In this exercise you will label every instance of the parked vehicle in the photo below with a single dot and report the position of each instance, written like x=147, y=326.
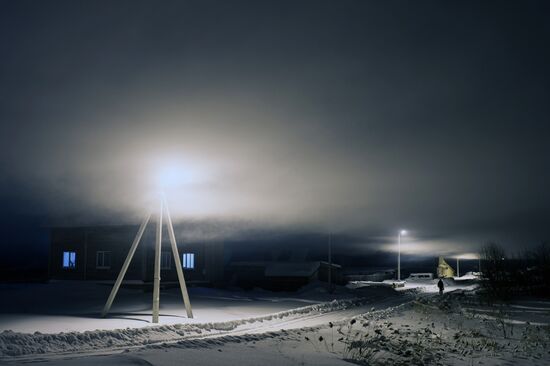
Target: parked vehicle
x=420, y=276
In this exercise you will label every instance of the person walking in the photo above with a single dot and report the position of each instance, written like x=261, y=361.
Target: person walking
x=441, y=286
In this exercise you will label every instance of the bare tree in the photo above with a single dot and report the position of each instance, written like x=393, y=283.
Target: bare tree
x=539, y=271
x=495, y=275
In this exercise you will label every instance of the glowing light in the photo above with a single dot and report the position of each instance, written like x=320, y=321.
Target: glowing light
x=173, y=175
x=403, y=232
x=470, y=256
x=170, y=176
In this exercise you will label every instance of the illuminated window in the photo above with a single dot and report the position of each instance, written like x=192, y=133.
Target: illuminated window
x=165, y=260
x=188, y=260
x=69, y=260
x=103, y=260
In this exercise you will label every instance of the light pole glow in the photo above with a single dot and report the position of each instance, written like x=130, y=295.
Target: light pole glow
x=173, y=175
x=401, y=233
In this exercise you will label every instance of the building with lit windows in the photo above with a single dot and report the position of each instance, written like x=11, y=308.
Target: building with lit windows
x=97, y=254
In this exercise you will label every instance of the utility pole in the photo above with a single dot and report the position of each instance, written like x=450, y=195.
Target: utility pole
x=125, y=266
x=401, y=232
x=177, y=261
x=156, y=276
x=399, y=257
x=457, y=266
x=330, y=263
x=85, y=254
x=156, y=279
x=479, y=260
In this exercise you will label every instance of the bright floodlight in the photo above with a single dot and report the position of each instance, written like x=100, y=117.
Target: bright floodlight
x=171, y=176
x=403, y=232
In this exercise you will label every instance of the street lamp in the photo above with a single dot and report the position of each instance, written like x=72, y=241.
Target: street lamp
x=401, y=233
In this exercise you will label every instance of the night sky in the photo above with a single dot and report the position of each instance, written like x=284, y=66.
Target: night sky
x=352, y=117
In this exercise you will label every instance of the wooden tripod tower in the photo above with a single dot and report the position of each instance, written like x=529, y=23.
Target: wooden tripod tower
x=156, y=279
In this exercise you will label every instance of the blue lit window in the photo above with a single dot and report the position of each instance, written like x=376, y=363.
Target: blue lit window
x=69, y=259
x=188, y=260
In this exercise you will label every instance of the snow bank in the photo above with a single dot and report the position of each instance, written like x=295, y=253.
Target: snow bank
x=18, y=344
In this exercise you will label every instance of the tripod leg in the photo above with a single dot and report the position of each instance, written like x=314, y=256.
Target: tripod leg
x=156, y=279
x=177, y=261
x=125, y=266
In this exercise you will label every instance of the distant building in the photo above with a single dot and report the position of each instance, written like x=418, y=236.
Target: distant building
x=420, y=276
x=444, y=270
x=279, y=275
x=97, y=254
x=369, y=274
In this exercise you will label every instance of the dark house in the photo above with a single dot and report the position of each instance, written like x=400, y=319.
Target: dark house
x=369, y=274
x=280, y=263
x=97, y=253
x=282, y=276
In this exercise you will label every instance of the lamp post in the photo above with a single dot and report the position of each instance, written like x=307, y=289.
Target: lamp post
x=330, y=263
x=401, y=233
x=479, y=263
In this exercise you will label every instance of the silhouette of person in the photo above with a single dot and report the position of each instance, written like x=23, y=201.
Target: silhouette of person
x=441, y=286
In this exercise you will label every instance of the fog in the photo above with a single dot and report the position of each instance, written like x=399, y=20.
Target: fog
x=343, y=117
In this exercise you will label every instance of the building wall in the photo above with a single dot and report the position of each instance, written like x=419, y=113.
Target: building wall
x=71, y=240
x=86, y=242
x=208, y=260
x=117, y=240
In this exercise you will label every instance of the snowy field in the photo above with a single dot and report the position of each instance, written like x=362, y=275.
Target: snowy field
x=75, y=306
x=373, y=325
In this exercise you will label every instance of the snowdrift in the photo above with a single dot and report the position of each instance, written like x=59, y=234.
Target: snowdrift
x=18, y=344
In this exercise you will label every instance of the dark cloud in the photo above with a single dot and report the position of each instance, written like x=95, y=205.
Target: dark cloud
x=353, y=117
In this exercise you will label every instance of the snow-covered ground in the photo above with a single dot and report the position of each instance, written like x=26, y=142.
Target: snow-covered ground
x=30, y=327
x=371, y=324
x=75, y=306
x=425, y=286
